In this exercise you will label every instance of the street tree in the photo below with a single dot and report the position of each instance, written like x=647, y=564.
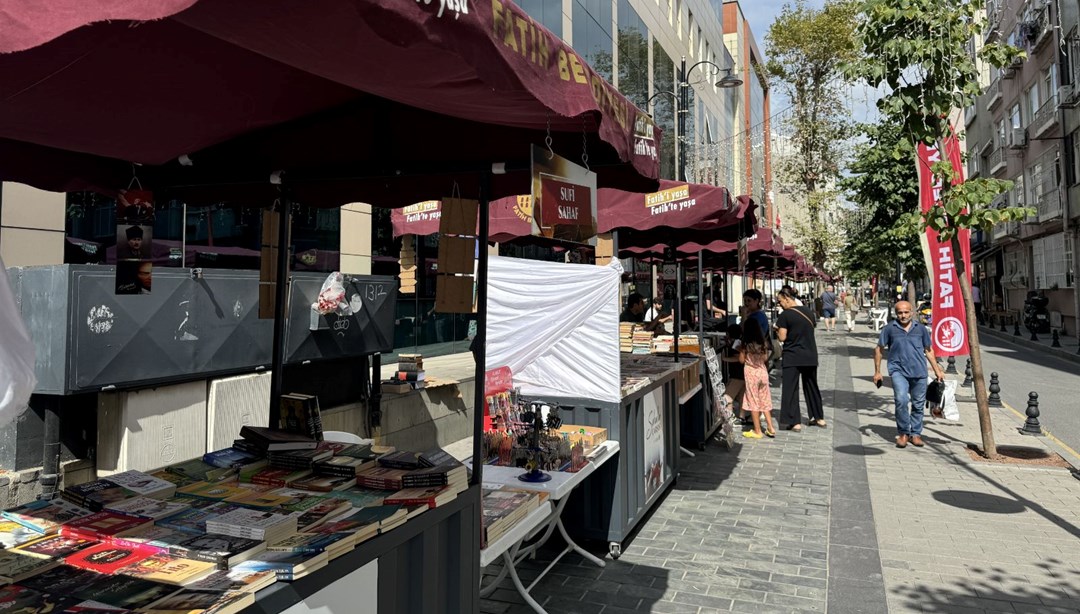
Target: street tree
x=916, y=50
x=807, y=48
x=882, y=183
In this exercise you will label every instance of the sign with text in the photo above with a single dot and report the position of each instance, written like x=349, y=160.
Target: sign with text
x=949, y=331
x=564, y=198
x=498, y=380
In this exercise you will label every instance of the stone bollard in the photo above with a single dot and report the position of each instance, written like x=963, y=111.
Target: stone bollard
x=1056, y=343
x=967, y=375
x=995, y=391
x=951, y=366
x=1016, y=327
x=1031, y=425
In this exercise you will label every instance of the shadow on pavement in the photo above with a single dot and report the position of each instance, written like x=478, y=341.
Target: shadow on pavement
x=978, y=501
x=993, y=588
x=859, y=450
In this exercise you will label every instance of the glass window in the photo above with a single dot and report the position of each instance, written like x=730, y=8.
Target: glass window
x=592, y=34
x=1033, y=101
x=1014, y=116
x=633, y=55
x=548, y=13
x=1001, y=133
x=1052, y=261
x=664, y=107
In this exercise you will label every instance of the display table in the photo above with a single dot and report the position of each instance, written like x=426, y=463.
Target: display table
x=508, y=548
x=428, y=565
x=646, y=426
x=558, y=488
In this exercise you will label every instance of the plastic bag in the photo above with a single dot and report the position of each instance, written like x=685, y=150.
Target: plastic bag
x=17, y=379
x=332, y=297
x=944, y=406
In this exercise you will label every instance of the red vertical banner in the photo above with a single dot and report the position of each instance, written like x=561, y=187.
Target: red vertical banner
x=949, y=332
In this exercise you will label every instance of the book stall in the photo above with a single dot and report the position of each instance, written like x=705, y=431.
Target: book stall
x=313, y=103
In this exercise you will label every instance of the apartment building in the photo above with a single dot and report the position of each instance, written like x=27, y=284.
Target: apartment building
x=1023, y=129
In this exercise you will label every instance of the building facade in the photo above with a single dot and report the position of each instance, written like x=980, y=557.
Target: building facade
x=1023, y=128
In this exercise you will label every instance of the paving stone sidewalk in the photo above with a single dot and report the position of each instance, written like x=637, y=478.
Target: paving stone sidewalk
x=838, y=520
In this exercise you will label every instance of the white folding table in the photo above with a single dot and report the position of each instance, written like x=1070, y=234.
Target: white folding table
x=558, y=489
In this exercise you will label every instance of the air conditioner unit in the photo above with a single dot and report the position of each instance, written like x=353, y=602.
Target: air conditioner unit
x=1017, y=138
x=1066, y=96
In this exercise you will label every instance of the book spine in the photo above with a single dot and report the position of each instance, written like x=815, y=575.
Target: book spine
x=428, y=501
x=410, y=367
x=393, y=464
x=337, y=471
x=79, y=533
x=279, y=483
x=219, y=560
x=249, y=447
x=235, y=531
x=423, y=482
x=380, y=484
x=409, y=376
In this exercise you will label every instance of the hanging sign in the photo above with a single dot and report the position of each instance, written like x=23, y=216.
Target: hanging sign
x=564, y=198
x=134, y=241
x=744, y=254
x=949, y=332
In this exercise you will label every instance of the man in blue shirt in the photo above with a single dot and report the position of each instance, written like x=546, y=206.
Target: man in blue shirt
x=909, y=346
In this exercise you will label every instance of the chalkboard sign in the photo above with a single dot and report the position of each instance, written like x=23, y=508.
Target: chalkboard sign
x=721, y=410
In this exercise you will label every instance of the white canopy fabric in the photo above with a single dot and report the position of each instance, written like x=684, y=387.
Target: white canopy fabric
x=556, y=326
x=17, y=379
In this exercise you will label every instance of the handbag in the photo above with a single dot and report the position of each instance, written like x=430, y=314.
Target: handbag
x=935, y=390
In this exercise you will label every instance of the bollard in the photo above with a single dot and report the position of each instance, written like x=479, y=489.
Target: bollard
x=1016, y=327
x=1056, y=343
x=1002, y=322
x=967, y=375
x=1035, y=332
x=1031, y=425
x=995, y=390
x=951, y=367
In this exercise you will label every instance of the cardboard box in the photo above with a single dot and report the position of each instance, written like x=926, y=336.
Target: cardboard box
x=589, y=436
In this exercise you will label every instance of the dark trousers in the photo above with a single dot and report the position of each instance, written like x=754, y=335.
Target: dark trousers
x=789, y=395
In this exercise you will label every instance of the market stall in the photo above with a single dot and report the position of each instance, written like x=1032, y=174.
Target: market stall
x=269, y=103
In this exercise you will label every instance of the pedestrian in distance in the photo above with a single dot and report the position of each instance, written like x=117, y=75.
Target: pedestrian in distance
x=757, y=396
x=795, y=329
x=976, y=299
x=910, y=349
x=828, y=308
x=851, y=309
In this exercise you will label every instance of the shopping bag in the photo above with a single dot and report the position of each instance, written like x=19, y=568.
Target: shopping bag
x=17, y=379
x=948, y=401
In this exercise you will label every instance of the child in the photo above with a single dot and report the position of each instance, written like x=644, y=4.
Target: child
x=733, y=387
x=757, y=396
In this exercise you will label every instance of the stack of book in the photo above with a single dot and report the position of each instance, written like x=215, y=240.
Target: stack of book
x=410, y=371
x=262, y=440
x=94, y=495
x=253, y=524
x=641, y=342
x=626, y=336
x=502, y=509
x=300, y=414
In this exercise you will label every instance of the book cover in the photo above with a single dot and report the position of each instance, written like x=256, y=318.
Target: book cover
x=357, y=450
x=361, y=518
x=254, y=524
x=300, y=414
x=106, y=558
x=432, y=496
x=22, y=600
x=12, y=534
x=217, y=491
x=312, y=542
x=277, y=439
x=279, y=477
x=221, y=550
x=382, y=478
x=438, y=457
x=302, y=459
x=300, y=500
x=327, y=510
x=123, y=591
x=144, y=484
x=145, y=507
x=155, y=539
x=409, y=376
x=230, y=457
x=287, y=565
x=343, y=466
x=54, y=547
x=194, y=520
x=93, y=495
x=196, y=602
x=224, y=581
x=14, y=567
x=362, y=497
x=434, y=476
x=45, y=516
x=103, y=525
x=259, y=499
x=168, y=569
x=195, y=469
x=175, y=478
x=324, y=483
x=63, y=580
x=94, y=607
x=402, y=459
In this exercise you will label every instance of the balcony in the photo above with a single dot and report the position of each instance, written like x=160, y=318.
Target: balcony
x=995, y=93
x=1036, y=30
x=1048, y=205
x=992, y=25
x=997, y=161
x=1045, y=118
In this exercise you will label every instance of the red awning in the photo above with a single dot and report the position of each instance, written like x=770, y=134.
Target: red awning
x=678, y=213
x=383, y=101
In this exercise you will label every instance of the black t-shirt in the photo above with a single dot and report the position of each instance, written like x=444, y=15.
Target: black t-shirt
x=629, y=316
x=800, y=348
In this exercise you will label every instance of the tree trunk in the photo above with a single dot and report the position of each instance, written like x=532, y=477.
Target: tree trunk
x=977, y=379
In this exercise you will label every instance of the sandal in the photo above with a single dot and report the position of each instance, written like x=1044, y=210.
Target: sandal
x=770, y=434
x=794, y=427
x=820, y=423
x=751, y=435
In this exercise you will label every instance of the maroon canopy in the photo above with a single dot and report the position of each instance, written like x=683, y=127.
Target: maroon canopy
x=384, y=101
x=509, y=218
x=678, y=213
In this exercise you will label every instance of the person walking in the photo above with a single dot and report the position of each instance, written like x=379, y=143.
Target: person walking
x=757, y=395
x=851, y=309
x=795, y=329
x=909, y=347
x=976, y=299
x=828, y=308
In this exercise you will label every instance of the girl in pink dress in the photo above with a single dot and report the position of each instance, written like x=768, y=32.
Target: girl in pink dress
x=757, y=396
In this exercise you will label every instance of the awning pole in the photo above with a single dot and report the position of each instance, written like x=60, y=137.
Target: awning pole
x=281, y=298
x=480, y=341
x=701, y=300
x=678, y=305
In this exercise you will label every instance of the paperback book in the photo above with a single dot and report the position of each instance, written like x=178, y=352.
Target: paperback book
x=217, y=491
x=144, y=484
x=101, y=526
x=94, y=495
x=381, y=478
x=168, y=569
x=233, y=458
x=12, y=534
x=402, y=459
x=432, y=496
x=196, y=470
x=107, y=558
x=15, y=567
x=332, y=543
x=259, y=499
x=367, y=517
x=224, y=581
x=289, y=566
x=154, y=509
x=277, y=440
x=118, y=591
x=325, y=483
x=301, y=500
x=347, y=466
x=253, y=524
x=199, y=602
x=22, y=600
x=362, y=497
x=279, y=477
x=54, y=547
x=300, y=414
x=298, y=459
x=155, y=539
x=323, y=512
x=45, y=517
x=194, y=520
x=223, y=551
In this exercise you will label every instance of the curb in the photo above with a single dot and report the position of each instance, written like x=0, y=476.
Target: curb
x=1046, y=440
x=1062, y=353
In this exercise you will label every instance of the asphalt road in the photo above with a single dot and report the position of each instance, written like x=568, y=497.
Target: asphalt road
x=1022, y=370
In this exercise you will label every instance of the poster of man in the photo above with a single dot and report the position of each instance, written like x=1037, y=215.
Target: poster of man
x=135, y=207
x=134, y=276
x=133, y=242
